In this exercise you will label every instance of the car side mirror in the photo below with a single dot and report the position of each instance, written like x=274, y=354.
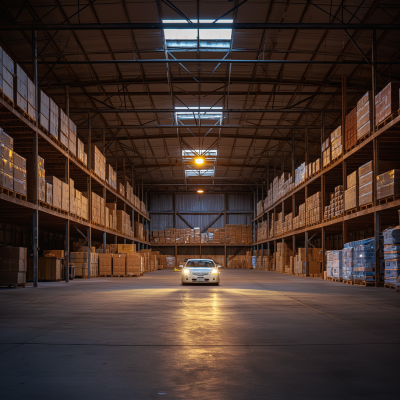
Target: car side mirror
x=219, y=266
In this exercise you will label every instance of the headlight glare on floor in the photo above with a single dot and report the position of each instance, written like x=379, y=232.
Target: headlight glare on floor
x=214, y=272
x=186, y=271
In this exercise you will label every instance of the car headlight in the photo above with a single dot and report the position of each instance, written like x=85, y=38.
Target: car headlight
x=186, y=271
x=214, y=272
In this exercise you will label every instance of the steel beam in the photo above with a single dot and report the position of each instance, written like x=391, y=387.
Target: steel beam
x=207, y=126
x=208, y=61
x=178, y=25
x=200, y=110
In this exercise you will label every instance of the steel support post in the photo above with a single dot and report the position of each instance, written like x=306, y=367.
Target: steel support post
x=89, y=191
x=306, y=148
x=104, y=242
x=293, y=153
x=67, y=238
x=306, y=246
x=294, y=253
x=274, y=255
x=344, y=104
x=35, y=226
x=323, y=251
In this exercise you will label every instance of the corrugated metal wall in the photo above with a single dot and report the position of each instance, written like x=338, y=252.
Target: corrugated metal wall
x=192, y=202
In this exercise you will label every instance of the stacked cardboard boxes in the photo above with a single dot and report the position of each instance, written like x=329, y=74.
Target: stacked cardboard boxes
x=65, y=196
x=7, y=74
x=366, y=178
x=105, y=264
x=31, y=100
x=334, y=264
x=98, y=162
x=300, y=174
x=111, y=176
x=336, y=204
x=364, y=115
x=41, y=179
x=388, y=184
x=336, y=143
x=80, y=151
x=21, y=89
x=63, y=128
x=57, y=191
x=351, y=194
x=326, y=153
x=44, y=110
x=6, y=161
x=387, y=101
x=138, y=230
x=13, y=265
x=112, y=215
x=54, y=117
x=80, y=260
x=313, y=209
x=118, y=264
x=19, y=170
x=121, y=189
x=262, y=231
x=72, y=143
x=314, y=261
x=282, y=257
x=49, y=193
x=124, y=224
x=134, y=264
x=350, y=137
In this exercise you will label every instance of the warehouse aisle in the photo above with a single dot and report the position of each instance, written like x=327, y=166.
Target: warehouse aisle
x=259, y=335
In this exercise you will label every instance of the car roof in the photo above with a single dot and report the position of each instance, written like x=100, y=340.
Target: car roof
x=200, y=259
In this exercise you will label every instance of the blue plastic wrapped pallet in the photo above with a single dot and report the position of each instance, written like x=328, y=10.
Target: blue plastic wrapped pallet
x=364, y=260
x=334, y=264
x=392, y=256
x=347, y=263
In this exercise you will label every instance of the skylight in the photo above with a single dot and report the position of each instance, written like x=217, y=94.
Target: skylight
x=194, y=153
x=187, y=114
x=199, y=172
x=187, y=38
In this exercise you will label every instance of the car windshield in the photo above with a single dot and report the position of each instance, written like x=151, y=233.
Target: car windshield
x=200, y=264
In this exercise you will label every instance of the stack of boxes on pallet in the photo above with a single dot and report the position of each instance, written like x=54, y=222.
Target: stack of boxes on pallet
x=334, y=264
x=283, y=257
x=13, y=265
x=97, y=215
x=80, y=152
x=351, y=194
x=231, y=234
x=366, y=179
x=56, y=185
x=336, y=143
x=351, y=129
x=64, y=128
x=111, y=176
x=364, y=115
x=124, y=223
x=388, y=184
x=21, y=89
x=347, y=264
x=54, y=117
x=262, y=231
x=112, y=215
x=41, y=180
x=80, y=261
x=19, y=168
x=7, y=75
x=6, y=161
x=98, y=162
x=387, y=101
x=314, y=261
x=336, y=204
x=326, y=153
x=313, y=209
x=72, y=139
x=391, y=238
x=44, y=111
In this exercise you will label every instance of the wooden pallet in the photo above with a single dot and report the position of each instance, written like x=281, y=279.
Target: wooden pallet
x=365, y=206
x=348, y=282
x=364, y=283
x=7, y=99
x=334, y=279
x=105, y=276
x=388, y=119
x=11, y=193
x=13, y=285
x=118, y=276
x=388, y=199
x=366, y=136
x=389, y=286
x=132, y=275
x=352, y=211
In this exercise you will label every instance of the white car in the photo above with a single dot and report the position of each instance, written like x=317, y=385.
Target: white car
x=200, y=271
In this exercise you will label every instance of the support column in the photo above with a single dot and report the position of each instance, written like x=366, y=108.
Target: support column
x=344, y=104
x=374, y=79
x=89, y=191
x=67, y=238
x=35, y=227
x=306, y=148
x=294, y=253
x=104, y=242
x=306, y=246
x=323, y=251
x=293, y=157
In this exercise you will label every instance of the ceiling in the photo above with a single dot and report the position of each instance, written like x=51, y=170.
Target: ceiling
x=268, y=103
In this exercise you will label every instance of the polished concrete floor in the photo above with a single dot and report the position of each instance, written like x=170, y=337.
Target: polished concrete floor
x=260, y=335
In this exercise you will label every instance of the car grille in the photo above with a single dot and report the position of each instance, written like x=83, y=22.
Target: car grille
x=200, y=273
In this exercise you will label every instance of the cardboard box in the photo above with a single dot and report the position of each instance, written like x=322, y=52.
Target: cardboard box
x=53, y=253
x=15, y=253
x=126, y=248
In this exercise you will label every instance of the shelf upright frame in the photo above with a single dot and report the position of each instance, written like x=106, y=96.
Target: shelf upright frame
x=89, y=191
x=67, y=231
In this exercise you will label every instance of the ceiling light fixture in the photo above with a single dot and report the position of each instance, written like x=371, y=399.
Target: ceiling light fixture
x=199, y=160
x=200, y=191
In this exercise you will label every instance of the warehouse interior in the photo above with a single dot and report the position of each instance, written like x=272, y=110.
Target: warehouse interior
x=262, y=135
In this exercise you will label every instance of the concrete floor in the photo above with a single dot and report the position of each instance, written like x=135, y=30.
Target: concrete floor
x=260, y=335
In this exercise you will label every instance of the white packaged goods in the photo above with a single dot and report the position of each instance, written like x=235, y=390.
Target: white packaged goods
x=31, y=100
x=72, y=138
x=363, y=115
x=334, y=264
x=44, y=109
x=53, y=118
